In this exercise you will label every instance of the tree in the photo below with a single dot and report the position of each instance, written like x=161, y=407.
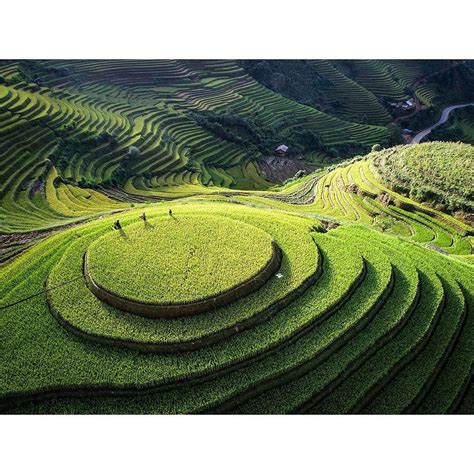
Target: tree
x=133, y=152
x=376, y=147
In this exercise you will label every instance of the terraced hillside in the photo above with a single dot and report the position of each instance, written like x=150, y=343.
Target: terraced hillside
x=372, y=316
x=439, y=172
x=148, y=267
x=82, y=137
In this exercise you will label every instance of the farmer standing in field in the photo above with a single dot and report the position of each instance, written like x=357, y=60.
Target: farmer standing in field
x=117, y=225
x=170, y=213
x=143, y=217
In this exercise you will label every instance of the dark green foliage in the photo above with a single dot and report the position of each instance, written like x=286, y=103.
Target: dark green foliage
x=421, y=194
x=456, y=84
x=35, y=71
x=458, y=128
x=396, y=136
x=68, y=146
x=255, y=137
x=424, y=118
x=236, y=129
x=295, y=79
x=133, y=152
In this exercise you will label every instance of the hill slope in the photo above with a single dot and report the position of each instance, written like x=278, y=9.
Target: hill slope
x=217, y=291
x=441, y=173
x=373, y=316
x=79, y=137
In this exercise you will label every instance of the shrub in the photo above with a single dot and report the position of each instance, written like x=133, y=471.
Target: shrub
x=133, y=152
x=376, y=147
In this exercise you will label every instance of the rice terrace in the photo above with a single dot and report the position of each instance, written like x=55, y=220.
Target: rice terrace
x=240, y=237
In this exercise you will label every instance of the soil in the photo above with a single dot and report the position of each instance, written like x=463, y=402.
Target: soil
x=278, y=169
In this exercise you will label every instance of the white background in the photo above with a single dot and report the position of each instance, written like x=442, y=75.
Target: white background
x=243, y=29
x=240, y=29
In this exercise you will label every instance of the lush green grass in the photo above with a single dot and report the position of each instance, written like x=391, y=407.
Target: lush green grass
x=178, y=259
x=370, y=310
x=341, y=267
x=79, y=308
x=330, y=352
x=352, y=330
x=436, y=172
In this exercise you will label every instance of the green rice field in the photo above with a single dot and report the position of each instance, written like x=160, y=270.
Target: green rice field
x=346, y=288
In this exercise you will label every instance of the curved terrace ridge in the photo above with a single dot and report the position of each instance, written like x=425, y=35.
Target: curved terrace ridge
x=176, y=310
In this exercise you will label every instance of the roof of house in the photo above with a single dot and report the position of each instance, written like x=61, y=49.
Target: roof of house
x=282, y=148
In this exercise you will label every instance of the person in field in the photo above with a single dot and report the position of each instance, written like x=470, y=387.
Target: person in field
x=143, y=217
x=170, y=212
x=117, y=225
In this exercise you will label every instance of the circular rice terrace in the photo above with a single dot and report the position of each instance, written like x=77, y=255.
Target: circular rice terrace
x=198, y=277
x=173, y=267
x=353, y=321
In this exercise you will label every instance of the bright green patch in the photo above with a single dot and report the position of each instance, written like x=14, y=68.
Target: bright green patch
x=81, y=309
x=178, y=259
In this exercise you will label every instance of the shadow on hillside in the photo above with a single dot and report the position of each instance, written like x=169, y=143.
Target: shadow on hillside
x=148, y=226
x=122, y=234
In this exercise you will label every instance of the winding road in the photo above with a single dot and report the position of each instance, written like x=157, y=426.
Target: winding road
x=444, y=117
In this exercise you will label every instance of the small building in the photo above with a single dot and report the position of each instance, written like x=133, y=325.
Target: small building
x=405, y=105
x=408, y=131
x=281, y=150
x=408, y=104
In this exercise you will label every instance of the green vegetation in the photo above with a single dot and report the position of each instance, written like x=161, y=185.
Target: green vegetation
x=359, y=276
x=194, y=124
x=76, y=305
x=257, y=138
x=176, y=259
x=438, y=173
x=458, y=128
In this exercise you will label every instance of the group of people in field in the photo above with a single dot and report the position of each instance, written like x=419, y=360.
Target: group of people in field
x=118, y=226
